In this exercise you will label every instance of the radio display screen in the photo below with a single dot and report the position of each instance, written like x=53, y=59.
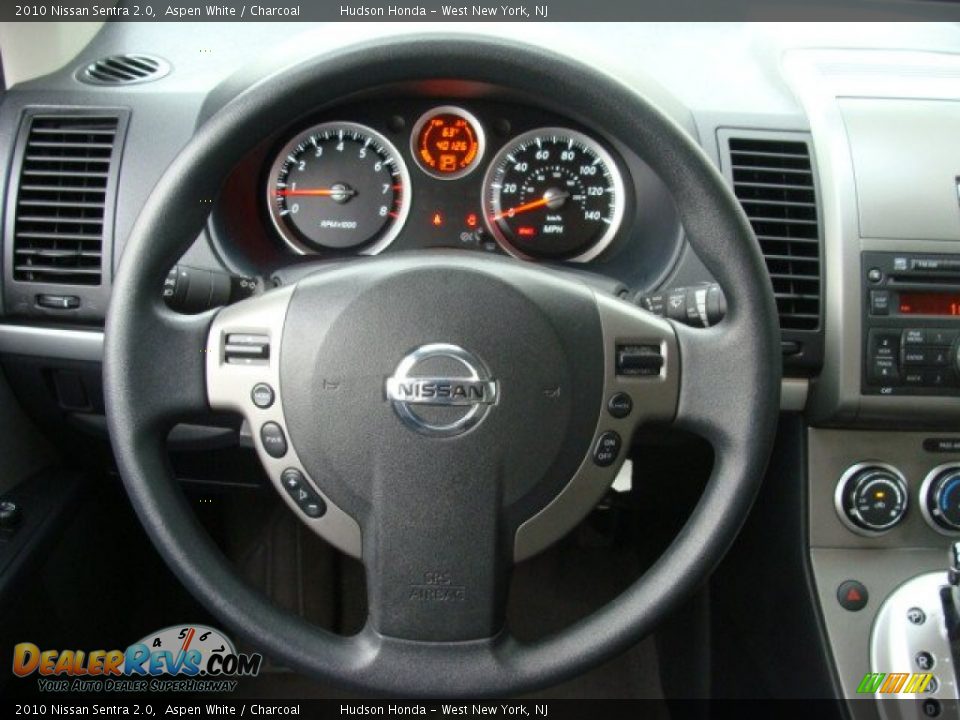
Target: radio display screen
x=929, y=303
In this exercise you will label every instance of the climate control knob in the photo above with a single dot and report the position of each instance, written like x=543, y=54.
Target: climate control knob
x=940, y=499
x=871, y=498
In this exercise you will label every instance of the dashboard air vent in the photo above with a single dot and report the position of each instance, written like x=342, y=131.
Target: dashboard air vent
x=774, y=181
x=59, y=223
x=123, y=70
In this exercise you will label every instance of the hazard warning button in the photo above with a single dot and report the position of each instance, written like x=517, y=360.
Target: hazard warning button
x=852, y=595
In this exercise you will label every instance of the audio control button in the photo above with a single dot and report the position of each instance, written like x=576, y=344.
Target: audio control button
x=941, y=336
x=262, y=395
x=273, y=439
x=940, y=357
x=915, y=336
x=913, y=377
x=885, y=371
x=879, y=302
x=916, y=356
x=883, y=356
x=303, y=495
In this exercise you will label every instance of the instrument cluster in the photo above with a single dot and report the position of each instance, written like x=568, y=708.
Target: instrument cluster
x=403, y=173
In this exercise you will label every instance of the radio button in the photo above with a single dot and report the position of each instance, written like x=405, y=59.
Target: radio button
x=879, y=302
x=884, y=343
x=916, y=356
x=915, y=336
x=933, y=356
x=941, y=336
x=885, y=371
x=939, y=357
x=935, y=378
x=913, y=377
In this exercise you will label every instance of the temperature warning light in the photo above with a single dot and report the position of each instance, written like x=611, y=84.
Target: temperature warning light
x=447, y=142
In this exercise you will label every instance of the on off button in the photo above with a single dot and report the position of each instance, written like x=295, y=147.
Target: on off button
x=607, y=448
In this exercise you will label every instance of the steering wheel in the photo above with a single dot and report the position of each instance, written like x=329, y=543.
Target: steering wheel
x=441, y=415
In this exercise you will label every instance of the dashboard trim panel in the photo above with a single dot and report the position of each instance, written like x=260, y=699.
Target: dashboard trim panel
x=55, y=343
x=87, y=346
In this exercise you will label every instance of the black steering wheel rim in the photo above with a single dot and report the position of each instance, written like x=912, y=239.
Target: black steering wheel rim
x=734, y=405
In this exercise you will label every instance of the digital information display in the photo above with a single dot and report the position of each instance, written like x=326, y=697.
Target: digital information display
x=447, y=142
x=929, y=303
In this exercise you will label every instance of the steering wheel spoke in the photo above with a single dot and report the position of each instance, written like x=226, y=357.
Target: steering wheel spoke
x=720, y=377
x=167, y=367
x=435, y=550
x=243, y=376
x=641, y=377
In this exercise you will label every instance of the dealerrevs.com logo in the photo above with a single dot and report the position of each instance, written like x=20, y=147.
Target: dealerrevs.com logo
x=180, y=658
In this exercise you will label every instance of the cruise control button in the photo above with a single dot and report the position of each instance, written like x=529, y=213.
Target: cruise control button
x=262, y=395
x=273, y=439
x=314, y=508
x=620, y=405
x=607, y=449
x=292, y=480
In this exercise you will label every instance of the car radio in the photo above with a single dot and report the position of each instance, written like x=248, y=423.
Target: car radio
x=911, y=321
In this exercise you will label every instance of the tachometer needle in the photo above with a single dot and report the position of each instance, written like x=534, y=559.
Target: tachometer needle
x=316, y=192
x=551, y=197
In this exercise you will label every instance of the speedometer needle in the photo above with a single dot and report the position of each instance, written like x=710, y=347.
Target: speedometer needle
x=551, y=197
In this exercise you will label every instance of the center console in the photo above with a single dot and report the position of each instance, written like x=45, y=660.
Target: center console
x=911, y=321
x=883, y=449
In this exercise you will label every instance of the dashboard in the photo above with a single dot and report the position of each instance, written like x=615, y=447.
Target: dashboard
x=425, y=170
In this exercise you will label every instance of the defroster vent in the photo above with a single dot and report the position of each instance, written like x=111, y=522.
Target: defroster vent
x=123, y=70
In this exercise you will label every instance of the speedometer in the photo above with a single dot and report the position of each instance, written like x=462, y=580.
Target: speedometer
x=553, y=193
x=338, y=186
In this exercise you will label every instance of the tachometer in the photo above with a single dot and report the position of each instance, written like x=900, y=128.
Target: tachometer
x=338, y=186
x=553, y=193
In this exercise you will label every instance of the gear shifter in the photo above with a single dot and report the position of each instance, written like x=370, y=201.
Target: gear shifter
x=950, y=599
x=916, y=641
